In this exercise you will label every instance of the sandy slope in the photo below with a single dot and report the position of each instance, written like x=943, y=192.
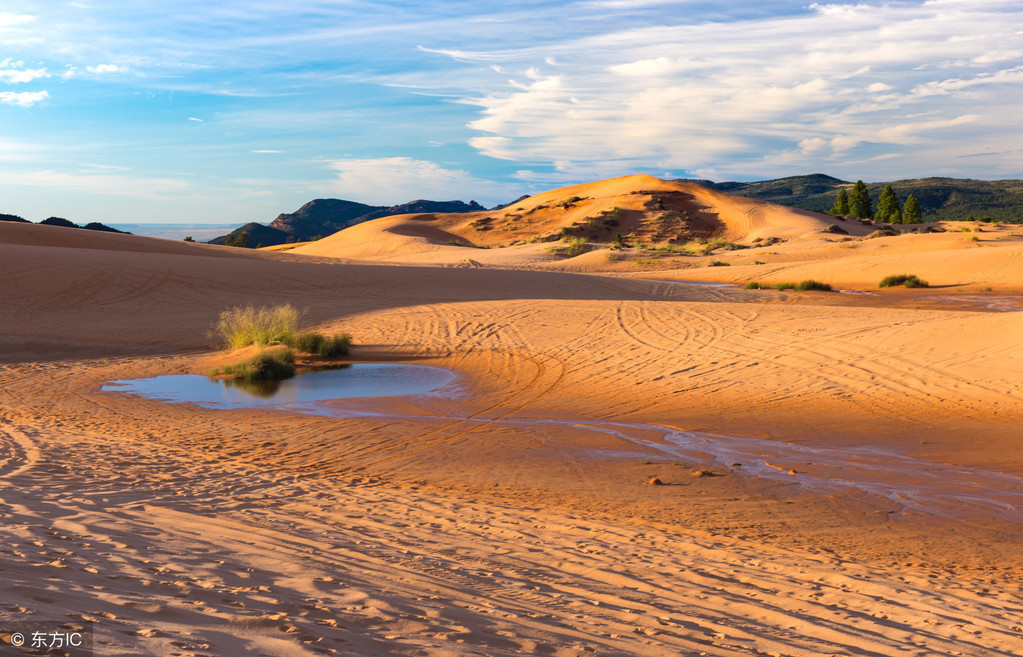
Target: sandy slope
x=653, y=210
x=513, y=519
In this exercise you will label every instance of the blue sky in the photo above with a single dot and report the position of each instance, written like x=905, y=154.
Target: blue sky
x=235, y=111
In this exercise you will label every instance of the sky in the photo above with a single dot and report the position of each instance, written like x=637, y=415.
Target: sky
x=235, y=111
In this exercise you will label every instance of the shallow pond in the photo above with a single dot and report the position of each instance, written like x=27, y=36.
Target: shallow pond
x=343, y=382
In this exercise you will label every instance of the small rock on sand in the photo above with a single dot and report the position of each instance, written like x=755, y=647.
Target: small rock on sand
x=655, y=482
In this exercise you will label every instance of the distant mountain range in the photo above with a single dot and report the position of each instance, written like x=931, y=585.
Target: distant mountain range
x=64, y=223
x=326, y=216
x=941, y=199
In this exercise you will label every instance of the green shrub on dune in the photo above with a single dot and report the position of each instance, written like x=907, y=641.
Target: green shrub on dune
x=321, y=345
x=811, y=284
x=908, y=280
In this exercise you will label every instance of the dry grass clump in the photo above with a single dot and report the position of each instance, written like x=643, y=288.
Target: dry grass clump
x=908, y=280
x=263, y=325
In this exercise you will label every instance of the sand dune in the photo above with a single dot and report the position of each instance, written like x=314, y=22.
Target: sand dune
x=842, y=471
x=651, y=210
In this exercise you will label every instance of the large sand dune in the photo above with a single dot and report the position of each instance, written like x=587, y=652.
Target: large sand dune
x=863, y=494
x=648, y=209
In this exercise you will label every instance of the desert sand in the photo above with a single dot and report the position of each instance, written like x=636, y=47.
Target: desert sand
x=843, y=471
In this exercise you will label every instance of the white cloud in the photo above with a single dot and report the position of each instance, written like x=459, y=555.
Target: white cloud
x=11, y=20
x=16, y=75
x=23, y=98
x=103, y=69
x=808, y=91
x=192, y=118
x=399, y=179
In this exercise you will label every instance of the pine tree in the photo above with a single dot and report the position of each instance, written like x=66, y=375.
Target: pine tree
x=895, y=217
x=911, y=211
x=841, y=207
x=887, y=205
x=860, y=205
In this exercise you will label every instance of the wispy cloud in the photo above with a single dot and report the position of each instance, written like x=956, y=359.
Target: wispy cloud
x=13, y=72
x=385, y=180
x=104, y=69
x=826, y=83
x=23, y=98
x=101, y=184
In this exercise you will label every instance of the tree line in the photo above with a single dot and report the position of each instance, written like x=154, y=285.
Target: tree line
x=859, y=205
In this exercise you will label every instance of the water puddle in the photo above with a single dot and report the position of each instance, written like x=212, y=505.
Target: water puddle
x=912, y=484
x=307, y=388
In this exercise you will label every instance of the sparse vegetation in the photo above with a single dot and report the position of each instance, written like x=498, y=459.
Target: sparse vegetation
x=576, y=246
x=785, y=286
x=268, y=364
x=718, y=263
x=322, y=345
x=907, y=280
x=188, y=238
x=251, y=325
x=753, y=285
x=811, y=284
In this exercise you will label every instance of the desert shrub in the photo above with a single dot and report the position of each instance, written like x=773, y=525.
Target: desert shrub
x=785, y=286
x=326, y=346
x=719, y=263
x=263, y=325
x=307, y=343
x=908, y=280
x=335, y=345
x=884, y=232
x=576, y=246
x=269, y=364
x=753, y=285
x=811, y=284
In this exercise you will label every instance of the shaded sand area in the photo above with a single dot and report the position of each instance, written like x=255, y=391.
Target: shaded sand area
x=842, y=472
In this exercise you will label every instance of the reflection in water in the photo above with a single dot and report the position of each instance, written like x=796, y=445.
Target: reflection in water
x=269, y=388
x=265, y=389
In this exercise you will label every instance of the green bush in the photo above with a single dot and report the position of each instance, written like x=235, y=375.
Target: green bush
x=335, y=345
x=321, y=345
x=785, y=286
x=753, y=285
x=811, y=284
x=264, y=325
x=307, y=343
x=269, y=364
x=718, y=263
x=575, y=247
x=908, y=280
